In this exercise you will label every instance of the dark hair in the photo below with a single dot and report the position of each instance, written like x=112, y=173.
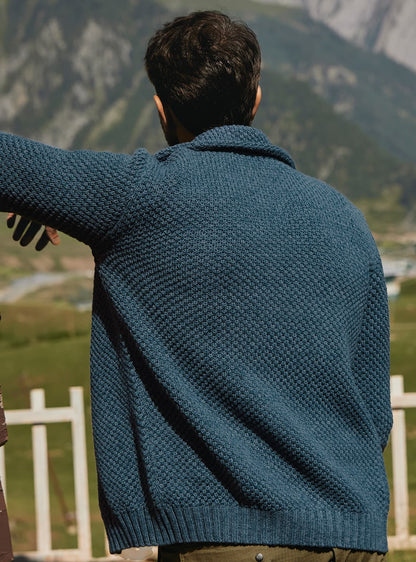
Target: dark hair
x=206, y=69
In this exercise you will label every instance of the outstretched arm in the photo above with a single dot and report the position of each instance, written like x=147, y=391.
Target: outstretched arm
x=82, y=193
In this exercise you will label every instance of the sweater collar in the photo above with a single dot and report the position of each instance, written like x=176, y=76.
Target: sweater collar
x=240, y=138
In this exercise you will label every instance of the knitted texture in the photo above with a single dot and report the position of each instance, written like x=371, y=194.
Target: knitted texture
x=240, y=341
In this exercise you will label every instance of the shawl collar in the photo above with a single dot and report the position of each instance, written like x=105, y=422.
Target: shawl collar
x=239, y=138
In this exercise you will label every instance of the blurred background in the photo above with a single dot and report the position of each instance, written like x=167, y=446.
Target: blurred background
x=339, y=84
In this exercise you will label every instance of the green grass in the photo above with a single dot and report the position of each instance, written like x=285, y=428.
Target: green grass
x=46, y=344
x=18, y=262
x=401, y=556
x=403, y=361
x=45, y=347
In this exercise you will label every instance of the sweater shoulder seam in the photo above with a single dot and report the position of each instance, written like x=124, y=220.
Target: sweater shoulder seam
x=135, y=168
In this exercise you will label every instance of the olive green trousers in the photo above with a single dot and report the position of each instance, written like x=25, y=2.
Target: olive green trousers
x=259, y=553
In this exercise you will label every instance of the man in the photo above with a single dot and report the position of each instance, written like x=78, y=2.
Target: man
x=240, y=339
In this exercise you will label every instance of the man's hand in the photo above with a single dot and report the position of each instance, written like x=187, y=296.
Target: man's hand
x=26, y=230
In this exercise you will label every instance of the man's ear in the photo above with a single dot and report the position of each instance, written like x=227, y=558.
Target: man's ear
x=161, y=111
x=257, y=102
x=173, y=129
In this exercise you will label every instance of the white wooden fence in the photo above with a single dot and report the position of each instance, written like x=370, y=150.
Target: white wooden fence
x=38, y=416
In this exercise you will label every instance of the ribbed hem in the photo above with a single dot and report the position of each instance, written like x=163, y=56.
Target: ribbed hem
x=238, y=525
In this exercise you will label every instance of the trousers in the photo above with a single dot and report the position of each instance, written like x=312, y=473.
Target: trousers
x=259, y=553
x=5, y=540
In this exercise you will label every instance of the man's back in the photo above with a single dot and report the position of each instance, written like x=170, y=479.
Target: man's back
x=240, y=342
x=245, y=308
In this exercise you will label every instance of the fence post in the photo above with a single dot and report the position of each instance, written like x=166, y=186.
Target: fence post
x=398, y=443
x=41, y=475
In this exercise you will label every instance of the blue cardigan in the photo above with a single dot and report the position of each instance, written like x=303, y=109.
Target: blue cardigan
x=240, y=340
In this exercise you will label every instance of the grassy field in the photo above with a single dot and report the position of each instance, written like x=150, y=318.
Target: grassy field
x=45, y=343
x=403, y=361
x=45, y=347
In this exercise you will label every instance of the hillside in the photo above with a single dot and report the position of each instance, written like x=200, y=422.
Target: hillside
x=382, y=26
x=71, y=74
x=329, y=146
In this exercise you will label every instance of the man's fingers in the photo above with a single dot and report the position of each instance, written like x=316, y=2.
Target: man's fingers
x=53, y=235
x=20, y=228
x=26, y=230
x=30, y=233
x=42, y=242
x=11, y=219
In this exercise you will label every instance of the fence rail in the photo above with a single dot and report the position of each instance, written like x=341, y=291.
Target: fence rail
x=38, y=416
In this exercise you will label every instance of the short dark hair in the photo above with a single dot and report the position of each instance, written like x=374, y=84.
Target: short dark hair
x=206, y=69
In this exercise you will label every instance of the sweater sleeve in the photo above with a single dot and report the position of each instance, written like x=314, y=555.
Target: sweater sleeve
x=82, y=193
x=372, y=356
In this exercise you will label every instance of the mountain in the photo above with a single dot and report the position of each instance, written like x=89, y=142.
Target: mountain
x=71, y=74
x=70, y=70
x=382, y=26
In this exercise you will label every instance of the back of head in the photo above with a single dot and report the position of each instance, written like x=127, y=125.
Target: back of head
x=206, y=69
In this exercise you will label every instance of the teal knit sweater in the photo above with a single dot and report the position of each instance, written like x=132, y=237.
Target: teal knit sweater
x=240, y=340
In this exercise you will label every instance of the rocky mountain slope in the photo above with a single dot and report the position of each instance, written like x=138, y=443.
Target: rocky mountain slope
x=383, y=26
x=71, y=74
